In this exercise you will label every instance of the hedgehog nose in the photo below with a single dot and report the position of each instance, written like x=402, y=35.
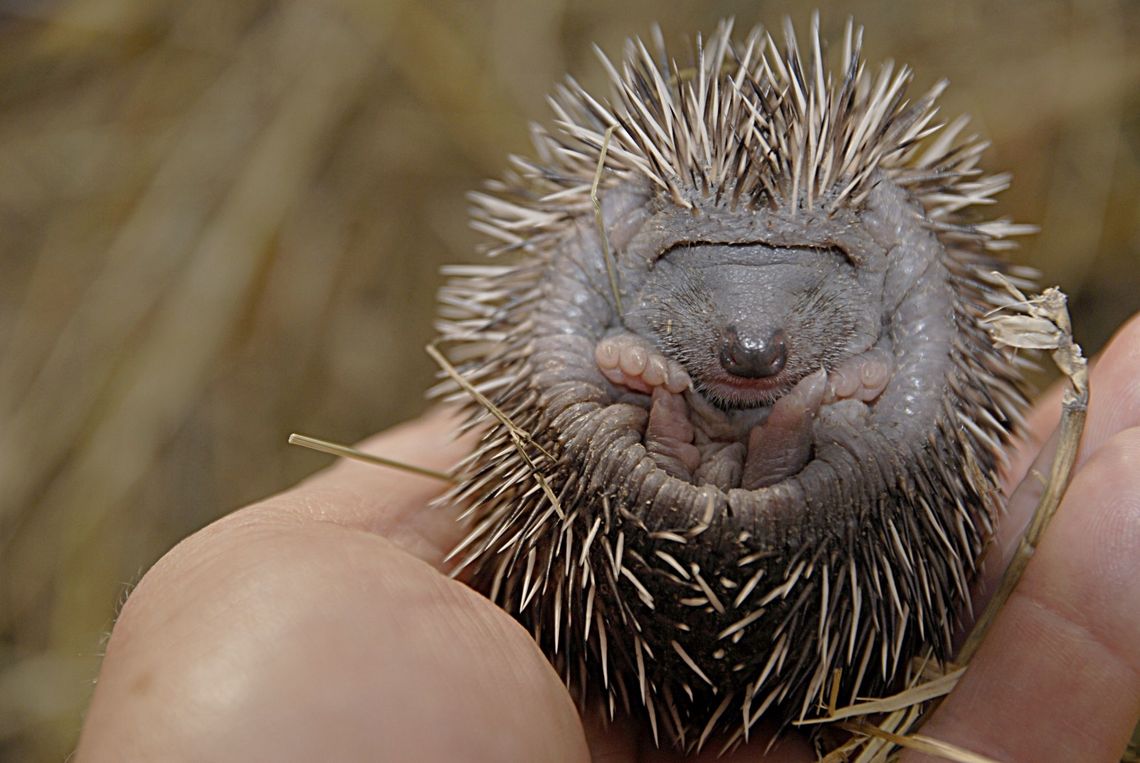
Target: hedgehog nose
x=753, y=355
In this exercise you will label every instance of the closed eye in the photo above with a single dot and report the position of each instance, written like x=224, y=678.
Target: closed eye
x=752, y=253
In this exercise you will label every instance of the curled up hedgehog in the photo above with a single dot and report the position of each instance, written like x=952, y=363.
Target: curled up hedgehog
x=742, y=424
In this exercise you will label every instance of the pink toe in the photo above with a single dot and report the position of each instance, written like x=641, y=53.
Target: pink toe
x=874, y=374
x=844, y=382
x=633, y=360
x=656, y=371
x=606, y=354
x=678, y=380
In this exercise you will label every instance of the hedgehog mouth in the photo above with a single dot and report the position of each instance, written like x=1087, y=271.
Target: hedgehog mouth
x=728, y=392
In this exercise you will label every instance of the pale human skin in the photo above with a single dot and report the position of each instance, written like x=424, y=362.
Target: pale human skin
x=316, y=625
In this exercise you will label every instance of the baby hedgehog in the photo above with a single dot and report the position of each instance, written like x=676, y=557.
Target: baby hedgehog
x=742, y=423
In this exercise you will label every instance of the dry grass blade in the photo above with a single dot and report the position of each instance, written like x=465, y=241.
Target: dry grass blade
x=920, y=743
x=344, y=451
x=916, y=695
x=516, y=431
x=607, y=253
x=1039, y=323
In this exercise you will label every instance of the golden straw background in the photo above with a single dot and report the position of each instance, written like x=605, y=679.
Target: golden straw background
x=221, y=221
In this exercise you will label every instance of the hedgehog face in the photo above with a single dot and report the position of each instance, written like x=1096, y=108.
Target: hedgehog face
x=735, y=344
x=747, y=322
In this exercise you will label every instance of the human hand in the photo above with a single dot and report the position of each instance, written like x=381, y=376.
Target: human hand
x=317, y=625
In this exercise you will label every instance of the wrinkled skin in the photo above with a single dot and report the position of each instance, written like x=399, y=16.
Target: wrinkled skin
x=317, y=624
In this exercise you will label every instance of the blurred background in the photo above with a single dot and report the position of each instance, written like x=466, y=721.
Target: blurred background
x=222, y=221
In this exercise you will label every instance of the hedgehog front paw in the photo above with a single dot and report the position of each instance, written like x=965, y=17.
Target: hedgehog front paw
x=863, y=377
x=781, y=446
x=629, y=361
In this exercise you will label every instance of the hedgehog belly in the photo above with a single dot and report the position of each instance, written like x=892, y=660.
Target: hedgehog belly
x=746, y=422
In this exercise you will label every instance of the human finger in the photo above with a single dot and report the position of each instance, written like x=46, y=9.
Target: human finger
x=1058, y=676
x=267, y=638
x=1114, y=406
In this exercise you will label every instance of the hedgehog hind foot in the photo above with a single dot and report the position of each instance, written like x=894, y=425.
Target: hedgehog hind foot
x=669, y=435
x=782, y=445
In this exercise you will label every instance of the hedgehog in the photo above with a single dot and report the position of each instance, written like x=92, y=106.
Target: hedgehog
x=741, y=421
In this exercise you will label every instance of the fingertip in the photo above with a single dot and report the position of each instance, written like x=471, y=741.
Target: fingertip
x=291, y=642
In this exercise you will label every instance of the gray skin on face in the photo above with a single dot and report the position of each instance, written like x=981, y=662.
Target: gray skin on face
x=768, y=321
x=749, y=321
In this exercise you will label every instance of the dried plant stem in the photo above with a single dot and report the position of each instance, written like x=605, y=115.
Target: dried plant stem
x=911, y=696
x=344, y=451
x=920, y=743
x=1038, y=323
x=1043, y=324
x=1072, y=424
x=607, y=253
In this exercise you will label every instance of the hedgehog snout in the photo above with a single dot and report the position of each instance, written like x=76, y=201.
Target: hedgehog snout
x=753, y=353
